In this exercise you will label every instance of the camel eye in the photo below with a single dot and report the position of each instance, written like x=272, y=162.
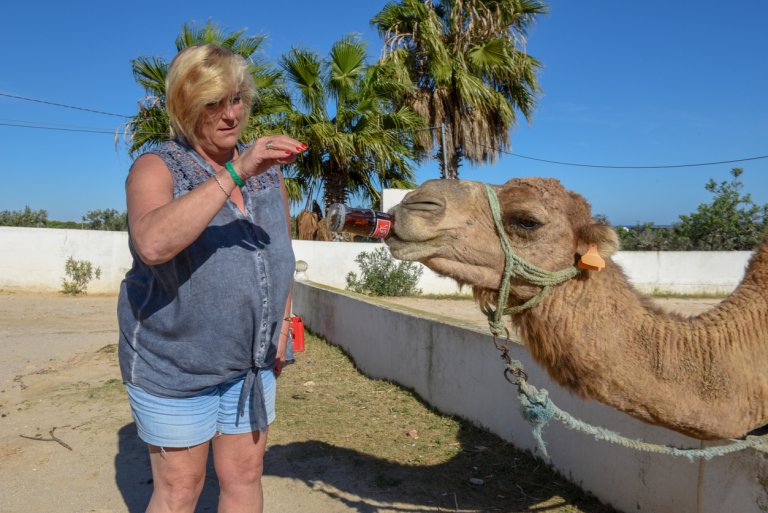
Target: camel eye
x=526, y=223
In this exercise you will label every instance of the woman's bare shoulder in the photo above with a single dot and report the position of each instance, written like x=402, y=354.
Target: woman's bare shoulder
x=148, y=163
x=149, y=167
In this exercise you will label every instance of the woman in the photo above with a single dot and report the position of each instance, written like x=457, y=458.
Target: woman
x=204, y=310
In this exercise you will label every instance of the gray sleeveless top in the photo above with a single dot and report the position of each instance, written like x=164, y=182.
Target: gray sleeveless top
x=214, y=312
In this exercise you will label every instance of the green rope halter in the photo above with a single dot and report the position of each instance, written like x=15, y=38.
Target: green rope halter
x=536, y=406
x=519, y=268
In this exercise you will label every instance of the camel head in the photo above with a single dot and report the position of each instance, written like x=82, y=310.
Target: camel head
x=595, y=334
x=448, y=226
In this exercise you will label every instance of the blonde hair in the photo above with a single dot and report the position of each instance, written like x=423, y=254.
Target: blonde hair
x=198, y=76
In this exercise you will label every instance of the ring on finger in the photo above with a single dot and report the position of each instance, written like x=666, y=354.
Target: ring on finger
x=270, y=145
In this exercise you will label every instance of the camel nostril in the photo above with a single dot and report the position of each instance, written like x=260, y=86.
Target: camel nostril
x=426, y=206
x=422, y=202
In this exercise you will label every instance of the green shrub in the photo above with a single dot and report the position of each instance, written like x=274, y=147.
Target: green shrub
x=26, y=218
x=381, y=276
x=80, y=273
x=730, y=222
x=108, y=219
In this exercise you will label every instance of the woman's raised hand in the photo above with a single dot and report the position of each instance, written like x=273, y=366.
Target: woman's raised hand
x=266, y=152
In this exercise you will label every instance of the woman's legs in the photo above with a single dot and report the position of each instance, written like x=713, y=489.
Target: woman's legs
x=239, y=463
x=178, y=431
x=238, y=449
x=178, y=475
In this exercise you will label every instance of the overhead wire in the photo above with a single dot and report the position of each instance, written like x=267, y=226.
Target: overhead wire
x=64, y=105
x=610, y=166
x=614, y=166
x=61, y=128
x=24, y=124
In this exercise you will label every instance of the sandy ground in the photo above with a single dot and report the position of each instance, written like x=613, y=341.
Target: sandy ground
x=59, y=383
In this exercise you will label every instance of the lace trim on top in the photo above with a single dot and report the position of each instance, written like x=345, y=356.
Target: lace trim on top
x=188, y=173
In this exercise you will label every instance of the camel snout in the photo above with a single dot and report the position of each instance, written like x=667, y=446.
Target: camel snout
x=418, y=201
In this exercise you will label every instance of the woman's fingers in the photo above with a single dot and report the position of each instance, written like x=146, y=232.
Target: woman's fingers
x=282, y=149
x=282, y=144
x=268, y=151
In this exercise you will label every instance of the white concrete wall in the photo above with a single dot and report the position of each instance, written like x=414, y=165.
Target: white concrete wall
x=33, y=259
x=456, y=368
x=391, y=197
x=330, y=262
x=714, y=272
x=458, y=371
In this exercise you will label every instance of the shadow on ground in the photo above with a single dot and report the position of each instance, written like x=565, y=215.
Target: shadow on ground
x=511, y=479
x=133, y=474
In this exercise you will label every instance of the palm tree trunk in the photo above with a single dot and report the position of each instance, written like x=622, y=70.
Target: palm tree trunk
x=454, y=164
x=449, y=167
x=335, y=182
x=450, y=161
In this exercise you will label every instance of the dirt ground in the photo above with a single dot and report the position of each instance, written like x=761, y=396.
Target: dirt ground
x=67, y=440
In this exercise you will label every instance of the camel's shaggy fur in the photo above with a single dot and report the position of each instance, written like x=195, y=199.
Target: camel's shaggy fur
x=595, y=334
x=309, y=227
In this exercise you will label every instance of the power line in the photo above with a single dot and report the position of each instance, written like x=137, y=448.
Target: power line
x=612, y=166
x=62, y=129
x=518, y=155
x=663, y=166
x=64, y=105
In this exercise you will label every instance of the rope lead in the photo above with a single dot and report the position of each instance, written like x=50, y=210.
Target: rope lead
x=536, y=406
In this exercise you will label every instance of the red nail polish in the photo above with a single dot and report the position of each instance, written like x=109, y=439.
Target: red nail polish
x=287, y=152
x=299, y=148
x=303, y=146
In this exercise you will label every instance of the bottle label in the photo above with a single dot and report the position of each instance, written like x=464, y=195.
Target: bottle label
x=382, y=228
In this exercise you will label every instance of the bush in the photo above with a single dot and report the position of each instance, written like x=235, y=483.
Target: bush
x=24, y=218
x=381, y=276
x=649, y=237
x=80, y=273
x=731, y=222
x=109, y=219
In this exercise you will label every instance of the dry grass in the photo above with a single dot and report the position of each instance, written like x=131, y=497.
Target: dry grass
x=399, y=449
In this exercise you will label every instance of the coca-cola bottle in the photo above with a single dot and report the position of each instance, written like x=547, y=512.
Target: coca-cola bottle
x=359, y=221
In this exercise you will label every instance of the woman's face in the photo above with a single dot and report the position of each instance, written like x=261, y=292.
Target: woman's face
x=220, y=127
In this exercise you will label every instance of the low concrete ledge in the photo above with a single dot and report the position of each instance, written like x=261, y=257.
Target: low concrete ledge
x=33, y=259
x=457, y=369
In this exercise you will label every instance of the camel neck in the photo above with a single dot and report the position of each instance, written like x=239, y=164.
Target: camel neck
x=603, y=340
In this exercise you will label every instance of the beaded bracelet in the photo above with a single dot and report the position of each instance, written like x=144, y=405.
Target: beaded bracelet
x=238, y=181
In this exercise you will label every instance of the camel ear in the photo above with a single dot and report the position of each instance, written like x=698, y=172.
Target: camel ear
x=600, y=235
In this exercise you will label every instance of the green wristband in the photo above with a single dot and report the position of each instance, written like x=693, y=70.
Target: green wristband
x=238, y=181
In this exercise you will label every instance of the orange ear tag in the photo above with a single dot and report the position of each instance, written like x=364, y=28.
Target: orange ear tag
x=591, y=260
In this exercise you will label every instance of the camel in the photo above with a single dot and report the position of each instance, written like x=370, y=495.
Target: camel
x=597, y=336
x=309, y=227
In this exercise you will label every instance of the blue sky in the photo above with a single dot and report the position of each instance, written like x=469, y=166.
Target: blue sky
x=625, y=83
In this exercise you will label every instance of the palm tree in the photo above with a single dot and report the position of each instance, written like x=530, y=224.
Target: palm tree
x=470, y=74
x=150, y=125
x=343, y=111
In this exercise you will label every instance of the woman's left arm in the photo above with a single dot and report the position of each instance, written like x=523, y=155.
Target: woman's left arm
x=282, y=343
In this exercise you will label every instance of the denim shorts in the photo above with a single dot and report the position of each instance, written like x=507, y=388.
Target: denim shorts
x=188, y=421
